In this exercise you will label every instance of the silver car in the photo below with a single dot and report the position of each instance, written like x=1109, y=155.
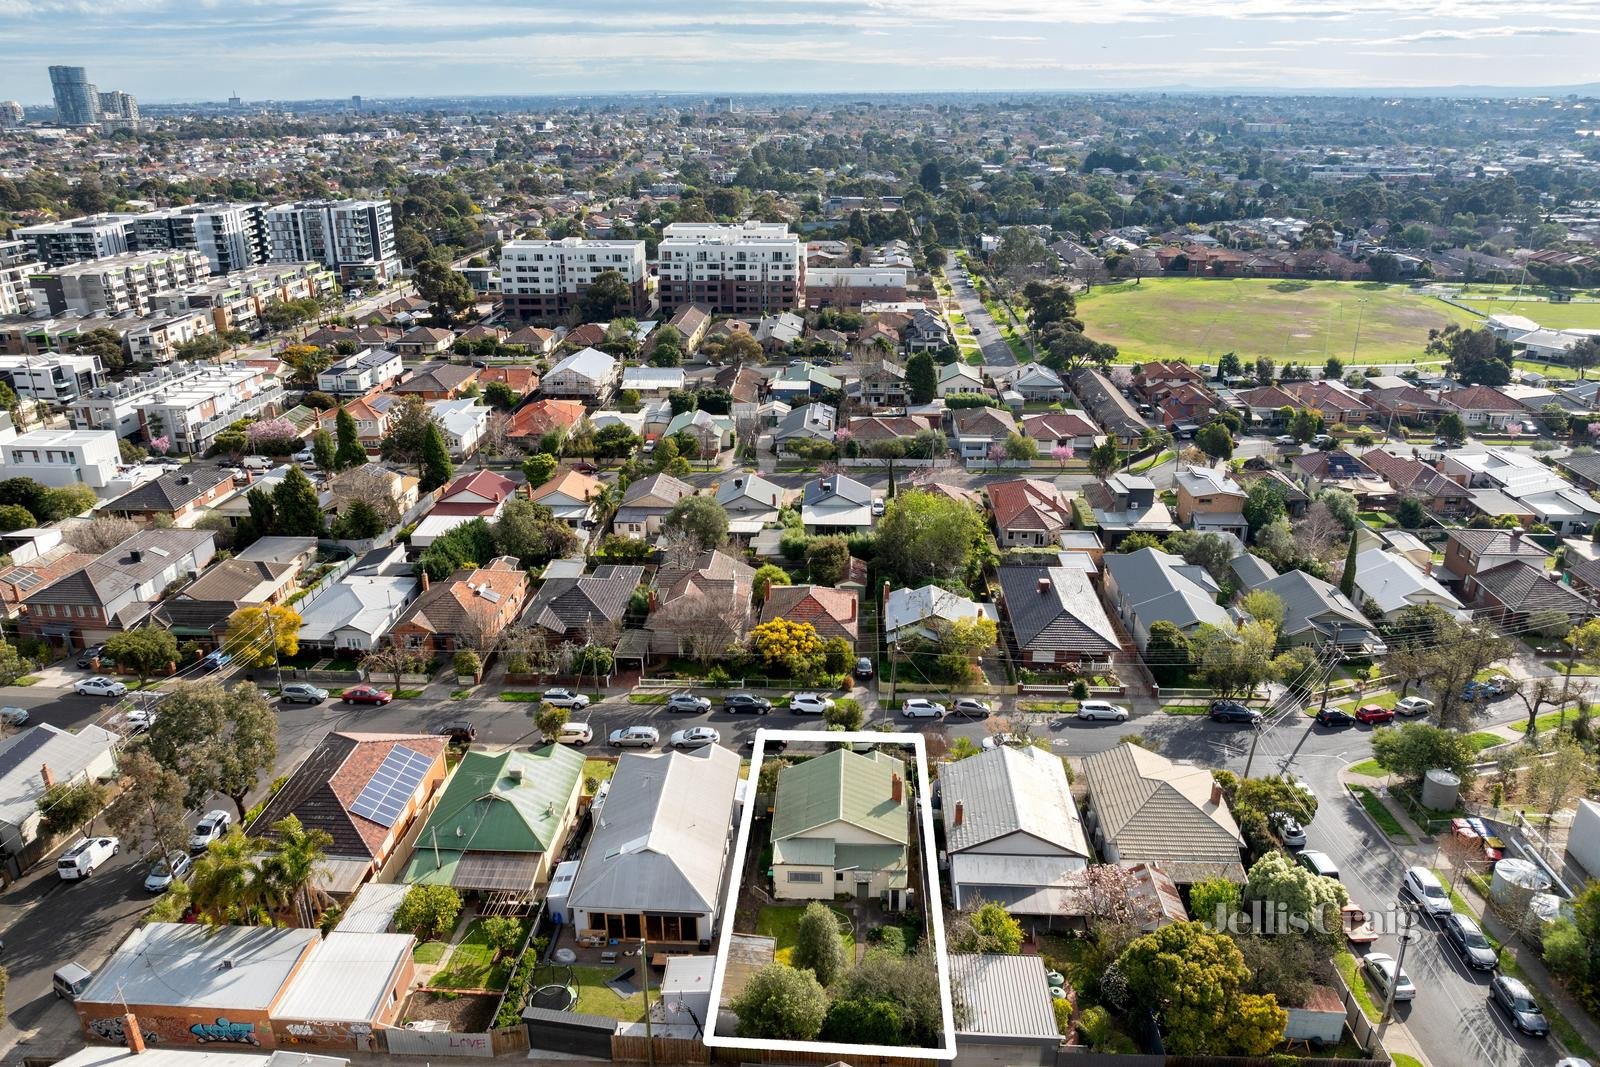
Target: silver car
x=922, y=708
x=164, y=871
x=13, y=716
x=1381, y=969
x=1102, y=709
x=634, y=737
x=695, y=737
x=302, y=693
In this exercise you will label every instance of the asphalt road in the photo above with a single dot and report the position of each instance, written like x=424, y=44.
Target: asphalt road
x=990, y=340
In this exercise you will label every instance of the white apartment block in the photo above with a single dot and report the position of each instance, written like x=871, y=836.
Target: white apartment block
x=543, y=280
x=746, y=269
x=53, y=377
x=230, y=236
x=60, y=458
x=361, y=372
x=129, y=283
x=155, y=338
x=74, y=240
x=188, y=404
x=18, y=263
x=237, y=300
x=353, y=237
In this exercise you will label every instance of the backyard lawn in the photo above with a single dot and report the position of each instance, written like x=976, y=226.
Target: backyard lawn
x=781, y=922
x=1199, y=319
x=472, y=964
x=596, y=998
x=430, y=952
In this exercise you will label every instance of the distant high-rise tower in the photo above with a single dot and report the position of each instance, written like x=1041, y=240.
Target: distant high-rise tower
x=10, y=113
x=234, y=101
x=119, y=109
x=77, y=99
x=355, y=102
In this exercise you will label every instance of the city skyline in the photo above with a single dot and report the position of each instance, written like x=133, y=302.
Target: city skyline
x=192, y=50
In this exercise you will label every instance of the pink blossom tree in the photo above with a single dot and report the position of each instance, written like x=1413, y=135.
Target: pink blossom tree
x=997, y=452
x=1062, y=454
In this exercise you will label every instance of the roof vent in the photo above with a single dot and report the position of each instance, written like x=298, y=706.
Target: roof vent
x=227, y=964
x=514, y=773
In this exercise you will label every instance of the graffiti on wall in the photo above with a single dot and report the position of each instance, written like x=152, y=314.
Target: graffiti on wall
x=225, y=1031
x=111, y=1029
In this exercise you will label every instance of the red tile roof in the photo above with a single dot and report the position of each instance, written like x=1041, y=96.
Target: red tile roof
x=1029, y=504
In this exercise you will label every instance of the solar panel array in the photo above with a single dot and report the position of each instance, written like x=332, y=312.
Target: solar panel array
x=392, y=785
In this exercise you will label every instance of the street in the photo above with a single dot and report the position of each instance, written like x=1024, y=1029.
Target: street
x=995, y=350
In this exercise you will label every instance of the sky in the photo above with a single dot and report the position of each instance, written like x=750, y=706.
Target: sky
x=177, y=50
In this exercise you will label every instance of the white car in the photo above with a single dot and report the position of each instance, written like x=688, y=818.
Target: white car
x=878, y=505
x=994, y=741
x=634, y=737
x=922, y=708
x=1381, y=969
x=139, y=719
x=210, y=828
x=13, y=716
x=809, y=704
x=565, y=698
x=1422, y=885
x=257, y=463
x=1290, y=832
x=1413, y=706
x=1102, y=709
x=305, y=455
x=695, y=737
x=163, y=871
x=100, y=686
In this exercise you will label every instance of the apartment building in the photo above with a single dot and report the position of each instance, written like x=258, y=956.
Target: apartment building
x=181, y=401
x=353, y=237
x=237, y=300
x=361, y=372
x=17, y=264
x=230, y=236
x=849, y=287
x=62, y=457
x=155, y=338
x=122, y=284
x=543, y=280
x=746, y=270
x=77, y=99
x=53, y=377
x=75, y=240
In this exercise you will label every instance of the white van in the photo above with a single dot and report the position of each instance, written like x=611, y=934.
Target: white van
x=71, y=980
x=257, y=463
x=82, y=858
x=575, y=733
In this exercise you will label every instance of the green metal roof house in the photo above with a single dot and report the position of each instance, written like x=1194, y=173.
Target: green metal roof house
x=841, y=825
x=502, y=818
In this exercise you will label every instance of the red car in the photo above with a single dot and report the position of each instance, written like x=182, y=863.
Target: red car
x=366, y=694
x=1373, y=713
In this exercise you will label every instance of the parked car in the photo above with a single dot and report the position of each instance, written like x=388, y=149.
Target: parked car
x=1318, y=863
x=1102, y=709
x=695, y=737
x=1467, y=939
x=92, y=653
x=460, y=732
x=305, y=455
x=256, y=463
x=634, y=737
x=809, y=704
x=1413, y=706
x=1475, y=829
x=212, y=825
x=1373, y=714
x=139, y=719
x=1422, y=886
x=574, y=733
x=84, y=856
x=302, y=693
x=970, y=708
x=69, y=982
x=1284, y=440
x=877, y=505
x=922, y=708
x=100, y=686
x=1517, y=1002
x=1380, y=967
x=773, y=747
x=1358, y=928
x=1290, y=832
x=739, y=703
x=863, y=668
x=1493, y=689
x=366, y=694
x=165, y=870
x=565, y=698
x=1233, y=711
x=1004, y=741
x=688, y=703
x=13, y=716
x=1333, y=717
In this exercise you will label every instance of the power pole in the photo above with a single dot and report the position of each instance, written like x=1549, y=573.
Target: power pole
x=272, y=635
x=644, y=969
x=1399, y=969
x=1255, y=738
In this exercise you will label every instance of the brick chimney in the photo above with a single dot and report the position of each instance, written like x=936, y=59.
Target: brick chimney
x=130, y=1030
x=1216, y=793
x=961, y=813
x=852, y=614
x=1044, y=586
x=424, y=581
x=46, y=775
x=1516, y=538
x=896, y=788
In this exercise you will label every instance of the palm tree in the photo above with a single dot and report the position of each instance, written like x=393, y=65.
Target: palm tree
x=291, y=868
x=225, y=884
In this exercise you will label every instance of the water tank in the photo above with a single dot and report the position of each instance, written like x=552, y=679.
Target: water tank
x=1514, y=884
x=1440, y=789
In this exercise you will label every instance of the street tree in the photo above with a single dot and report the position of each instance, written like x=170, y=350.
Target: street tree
x=260, y=634
x=147, y=651
x=1412, y=750
x=71, y=807
x=217, y=740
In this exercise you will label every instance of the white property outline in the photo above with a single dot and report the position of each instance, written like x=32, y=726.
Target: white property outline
x=933, y=904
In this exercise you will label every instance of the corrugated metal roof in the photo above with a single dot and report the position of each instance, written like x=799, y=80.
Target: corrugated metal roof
x=505, y=801
x=1010, y=790
x=346, y=978
x=841, y=786
x=1005, y=996
x=373, y=908
x=177, y=964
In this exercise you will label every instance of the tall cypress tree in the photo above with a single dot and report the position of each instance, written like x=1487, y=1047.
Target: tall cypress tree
x=297, y=513
x=351, y=452
x=1347, y=584
x=436, y=466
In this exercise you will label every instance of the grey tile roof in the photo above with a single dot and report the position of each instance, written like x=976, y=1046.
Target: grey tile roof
x=1156, y=585
x=564, y=604
x=1066, y=616
x=834, y=489
x=1311, y=602
x=1155, y=810
x=172, y=490
x=1519, y=586
x=662, y=837
x=1009, y=790
x=117, y=571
